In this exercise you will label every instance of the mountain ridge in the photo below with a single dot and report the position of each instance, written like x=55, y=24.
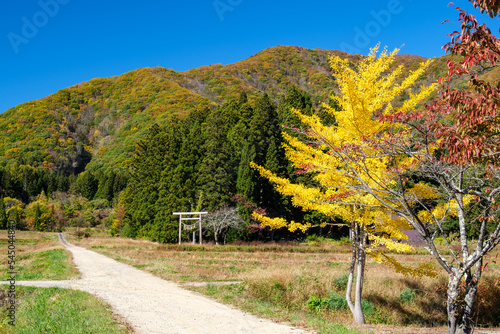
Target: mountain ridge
x=106, y=117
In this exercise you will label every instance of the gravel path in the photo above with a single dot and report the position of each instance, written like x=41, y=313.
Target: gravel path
x=153, y=305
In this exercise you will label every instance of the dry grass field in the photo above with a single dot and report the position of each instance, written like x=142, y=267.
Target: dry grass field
x=289, y=281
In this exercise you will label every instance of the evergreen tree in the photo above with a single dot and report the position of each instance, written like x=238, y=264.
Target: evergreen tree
x=151, y=195
x=230, y=113
x=36, y=219
x=191, y=155
x=239, y=134
x=87, y=185
x=52, y=183
x=120, y=182
x=11, y=183
x=142, y=189
x=264, y=130
x=4, y=222
x=243, y=98
x=33, y=186
x=62, y=182
x=109, y=187
x=296, y=99
x=170, y=193
x=246, y=179
x=217, y=178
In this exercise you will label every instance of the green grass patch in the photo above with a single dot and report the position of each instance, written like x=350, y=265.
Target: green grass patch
x=54, y=310
x=39, y=256
x=52, y=264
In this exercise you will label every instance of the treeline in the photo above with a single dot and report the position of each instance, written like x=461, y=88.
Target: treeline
x=203, y=162
x=199, y=162
x=45, y=200
x=25, y=183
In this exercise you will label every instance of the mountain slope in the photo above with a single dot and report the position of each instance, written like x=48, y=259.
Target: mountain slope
x=101, y=120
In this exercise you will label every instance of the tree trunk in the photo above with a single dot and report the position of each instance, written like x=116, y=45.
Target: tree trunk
x=452, y=304
x=351, y=276
x=472, y=282
x=358, y=261
x=359, y=317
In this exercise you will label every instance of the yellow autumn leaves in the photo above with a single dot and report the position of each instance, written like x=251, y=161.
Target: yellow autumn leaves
x=347, y=158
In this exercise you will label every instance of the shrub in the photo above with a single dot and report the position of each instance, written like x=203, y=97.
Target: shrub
x=317, y=303
x=337, y=302
x=407, y=296
x=368, y=307
x=439, y=241
x=81, y=234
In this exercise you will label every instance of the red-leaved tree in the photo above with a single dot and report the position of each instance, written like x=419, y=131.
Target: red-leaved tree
x=465, y=123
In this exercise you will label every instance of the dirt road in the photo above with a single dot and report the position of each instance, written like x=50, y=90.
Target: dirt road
x=153, y=305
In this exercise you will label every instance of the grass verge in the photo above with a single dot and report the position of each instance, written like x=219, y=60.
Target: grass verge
x=54, y=310
x=39, y=256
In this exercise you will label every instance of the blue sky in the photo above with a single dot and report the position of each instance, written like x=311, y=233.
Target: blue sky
x=47, y=45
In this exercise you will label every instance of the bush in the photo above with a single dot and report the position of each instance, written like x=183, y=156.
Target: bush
x=368, y=307
x=82, y=234
x=407, y=296
x=439, y=241
x=337, y=302
x=317, y=303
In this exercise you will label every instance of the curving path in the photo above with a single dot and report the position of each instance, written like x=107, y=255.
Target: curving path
x=153, y=305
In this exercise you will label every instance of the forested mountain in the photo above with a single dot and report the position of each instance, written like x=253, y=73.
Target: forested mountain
x=176, y=138
x=100, y=121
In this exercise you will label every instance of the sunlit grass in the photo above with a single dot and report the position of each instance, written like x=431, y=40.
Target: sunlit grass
x=278, y=280
x=39, y=256
x=59, y=311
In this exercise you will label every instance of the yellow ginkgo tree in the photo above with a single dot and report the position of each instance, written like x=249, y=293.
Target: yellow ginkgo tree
x=352, y=171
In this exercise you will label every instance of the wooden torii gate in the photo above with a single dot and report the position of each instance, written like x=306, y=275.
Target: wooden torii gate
x=180, y=214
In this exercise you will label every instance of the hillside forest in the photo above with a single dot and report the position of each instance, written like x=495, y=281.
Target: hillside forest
x=123, y=153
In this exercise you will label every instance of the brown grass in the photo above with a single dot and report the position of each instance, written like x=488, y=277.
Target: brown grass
x=278, y=280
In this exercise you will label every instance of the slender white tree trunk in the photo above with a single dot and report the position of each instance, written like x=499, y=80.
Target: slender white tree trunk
x=358, y=262
x=359, y=317
x=351, y=271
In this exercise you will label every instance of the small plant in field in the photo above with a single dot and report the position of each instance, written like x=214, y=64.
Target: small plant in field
x=439, y=241
x=407, y=296
x=317, y=303
x=337, y=302
x=340, y=283
x=368, y=307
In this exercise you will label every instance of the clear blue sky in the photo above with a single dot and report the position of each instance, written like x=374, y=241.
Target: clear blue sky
x=48, y=45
